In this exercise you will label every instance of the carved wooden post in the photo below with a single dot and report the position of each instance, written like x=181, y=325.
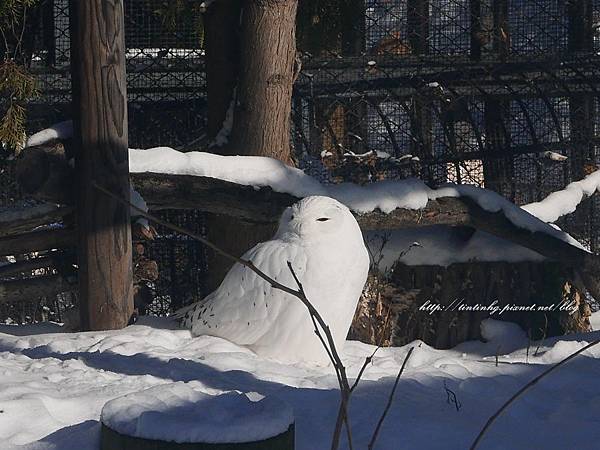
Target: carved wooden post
x=100, y=113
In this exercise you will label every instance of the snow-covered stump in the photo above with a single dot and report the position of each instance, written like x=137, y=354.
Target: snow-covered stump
x=176, y=416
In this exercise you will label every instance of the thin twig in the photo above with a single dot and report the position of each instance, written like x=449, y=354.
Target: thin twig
x=525, y=388
x=20, y=39
x=390, y=400
x=451, y=397
x=544, y=331
x=340, y=370
x=368, y=360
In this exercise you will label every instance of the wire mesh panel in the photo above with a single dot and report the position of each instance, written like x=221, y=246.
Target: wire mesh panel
x=182, y=263
x=502, y=94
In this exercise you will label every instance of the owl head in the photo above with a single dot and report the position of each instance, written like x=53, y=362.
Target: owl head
x=316, y=218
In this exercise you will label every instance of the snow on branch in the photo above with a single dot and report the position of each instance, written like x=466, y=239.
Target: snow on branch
x=561, y=203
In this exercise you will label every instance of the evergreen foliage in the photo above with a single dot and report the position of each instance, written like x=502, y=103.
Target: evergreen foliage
x=17, y=85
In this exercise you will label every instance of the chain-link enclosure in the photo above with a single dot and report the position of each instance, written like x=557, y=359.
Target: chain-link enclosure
x=502, y=94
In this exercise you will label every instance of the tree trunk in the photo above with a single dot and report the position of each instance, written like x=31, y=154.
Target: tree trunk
x=264, y=91
x=100, y=110
x=263, y=103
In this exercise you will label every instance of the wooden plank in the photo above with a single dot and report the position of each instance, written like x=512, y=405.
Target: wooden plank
x=35, y=241
x=100, y=110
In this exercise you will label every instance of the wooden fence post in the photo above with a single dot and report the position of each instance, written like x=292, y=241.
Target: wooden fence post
x=100, y=119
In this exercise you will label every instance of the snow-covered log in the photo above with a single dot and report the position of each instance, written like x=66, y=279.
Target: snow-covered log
x=213, y=195
x=26, y=218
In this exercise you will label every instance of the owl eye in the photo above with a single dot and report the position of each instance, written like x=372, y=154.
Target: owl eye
x=323, y=219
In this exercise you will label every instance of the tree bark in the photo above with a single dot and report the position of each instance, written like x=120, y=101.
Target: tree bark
x=263, y=100
x=264, y=92
x=100, y=110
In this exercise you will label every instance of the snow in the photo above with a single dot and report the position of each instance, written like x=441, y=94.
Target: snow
x=176, y=412
x=443, y=246
x=247, y=170
x=222, y=137
x=61, y=130
x=54, y=386
x=560, y=203
x=506, y=336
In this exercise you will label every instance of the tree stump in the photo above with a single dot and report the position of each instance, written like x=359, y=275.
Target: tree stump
x=177, y=417
x=111, y=440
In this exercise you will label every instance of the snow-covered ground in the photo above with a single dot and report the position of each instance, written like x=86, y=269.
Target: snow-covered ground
x=53, y=386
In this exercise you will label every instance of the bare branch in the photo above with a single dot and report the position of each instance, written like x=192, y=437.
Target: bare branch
x=368, y=360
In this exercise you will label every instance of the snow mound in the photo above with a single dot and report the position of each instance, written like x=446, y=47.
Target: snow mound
x=508, y=336
x=561, y=350
x=176, y=412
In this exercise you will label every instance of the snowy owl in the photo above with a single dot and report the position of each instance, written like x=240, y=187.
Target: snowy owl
x=321, y=239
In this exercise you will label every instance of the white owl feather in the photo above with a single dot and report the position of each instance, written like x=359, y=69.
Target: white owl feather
x=321, y=239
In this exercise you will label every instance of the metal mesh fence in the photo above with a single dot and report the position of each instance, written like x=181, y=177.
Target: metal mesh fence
x=486, y=92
